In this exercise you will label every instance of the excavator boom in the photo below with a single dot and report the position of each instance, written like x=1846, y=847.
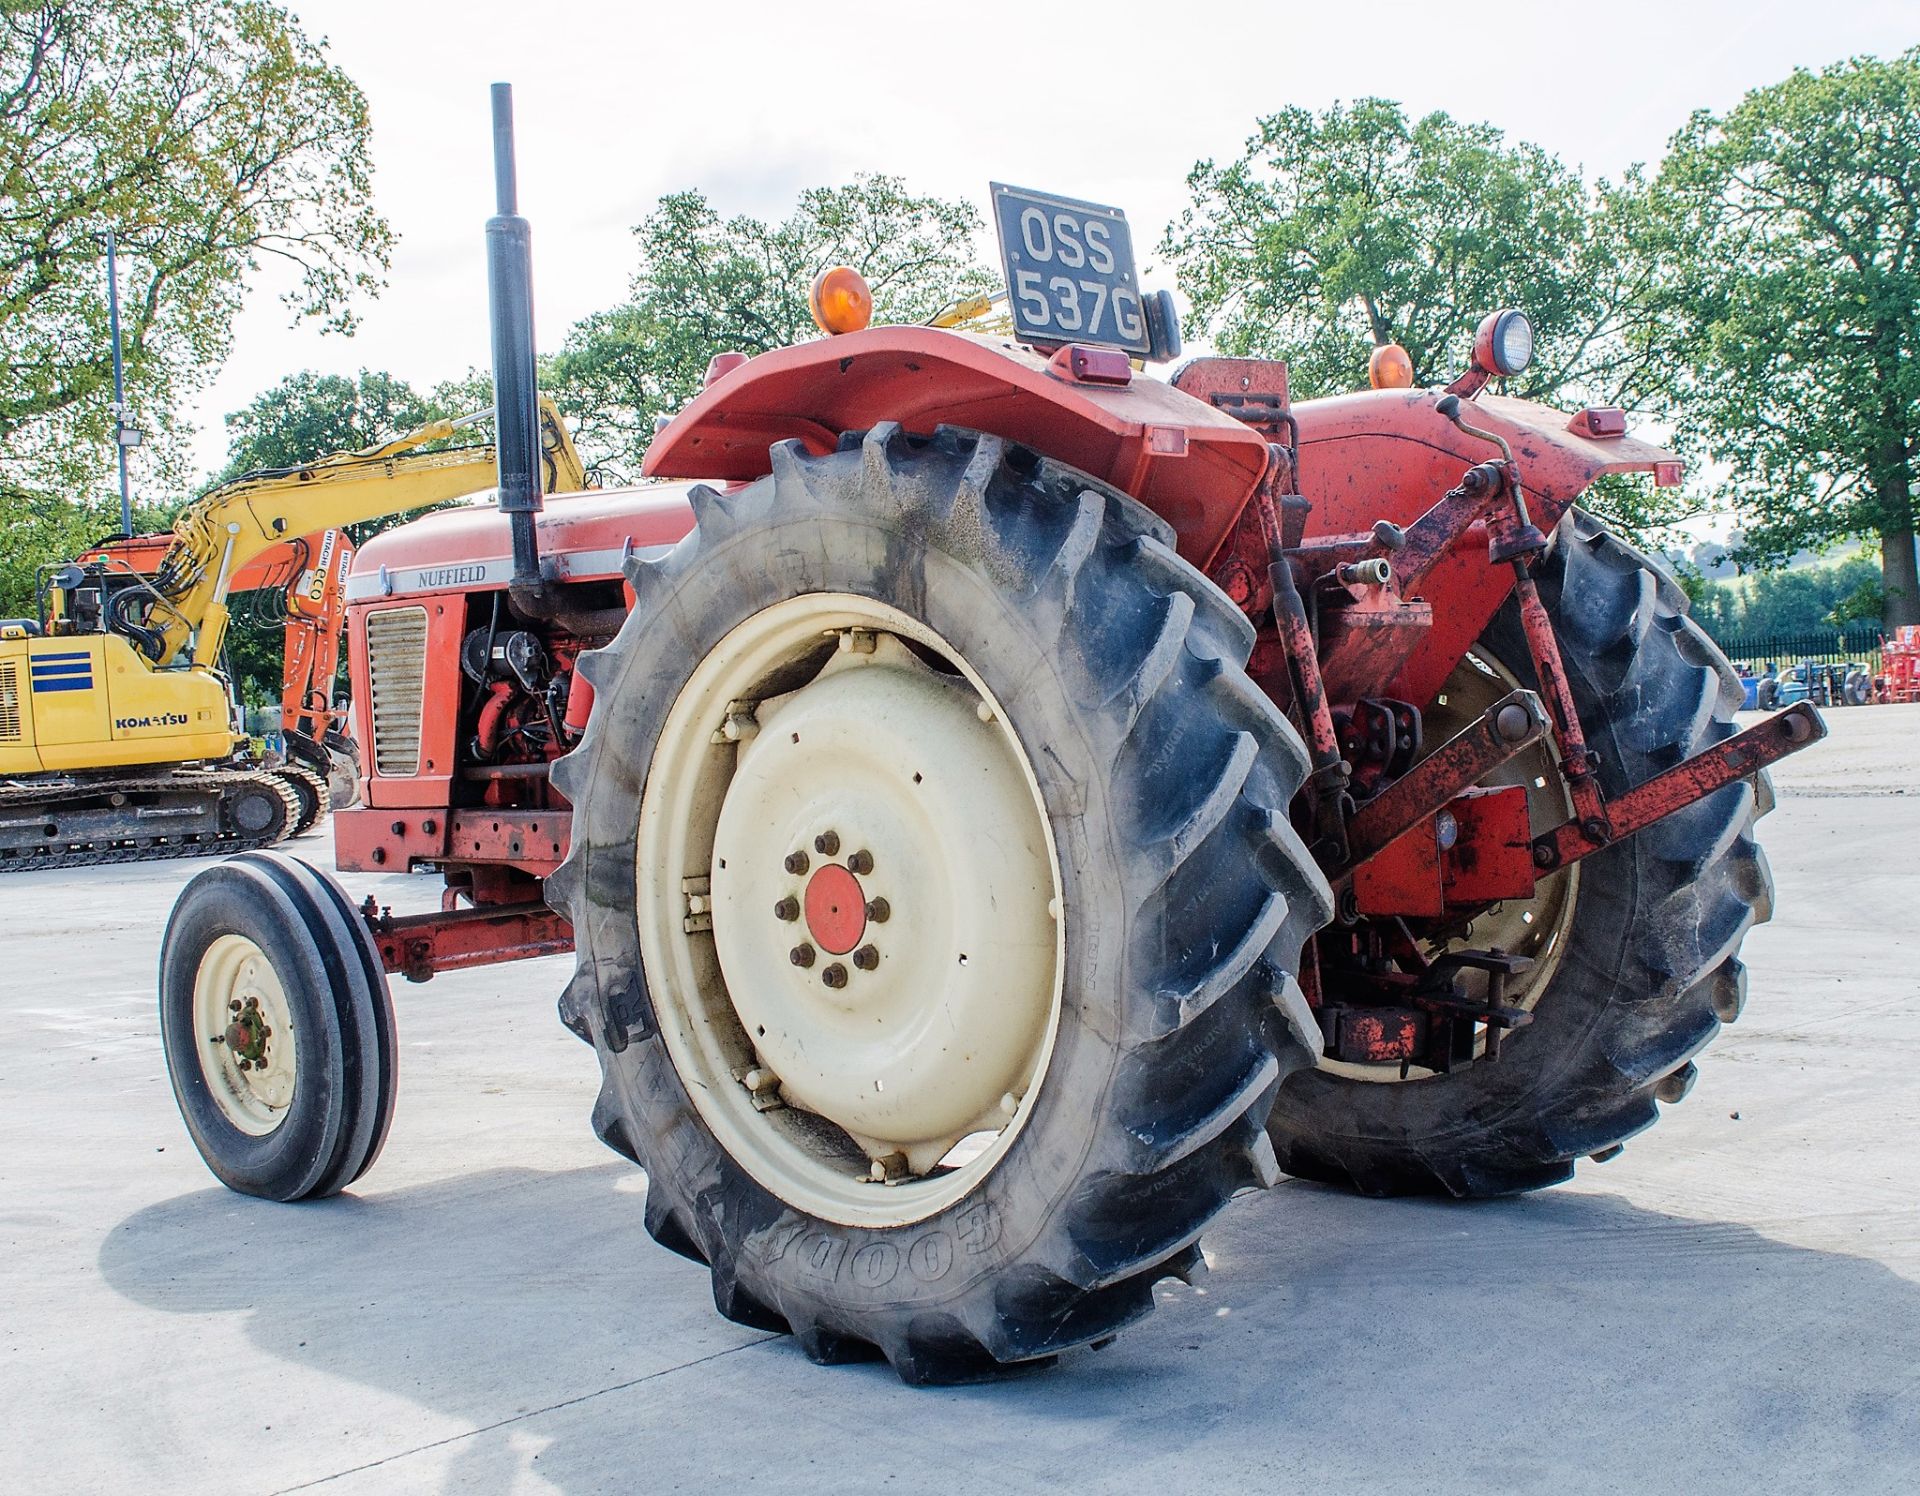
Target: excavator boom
x=227, y=529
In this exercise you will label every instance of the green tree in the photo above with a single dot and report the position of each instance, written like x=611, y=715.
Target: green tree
x=1332, y=233
x=213, y=136
x=1802, y=600
x=1799, y=309
x=307, y=415
x=706, y=285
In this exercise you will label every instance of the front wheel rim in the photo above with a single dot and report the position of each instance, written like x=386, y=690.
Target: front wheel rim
x=243, y=1035
x=850, y=910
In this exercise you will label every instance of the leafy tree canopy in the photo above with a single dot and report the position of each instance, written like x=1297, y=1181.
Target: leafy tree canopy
x=1334, y=232
x=707, y=284
x=308, y=415
x=212, y=136
x=1803, y=600
x=1798, y=214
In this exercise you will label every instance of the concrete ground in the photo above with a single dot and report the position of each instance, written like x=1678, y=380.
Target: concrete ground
x=1732, y=1305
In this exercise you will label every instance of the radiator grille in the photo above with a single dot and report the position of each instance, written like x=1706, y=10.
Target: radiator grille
x=9, y=703
x=397, y=662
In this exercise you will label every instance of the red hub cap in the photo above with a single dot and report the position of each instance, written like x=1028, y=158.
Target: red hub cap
x=836, y=909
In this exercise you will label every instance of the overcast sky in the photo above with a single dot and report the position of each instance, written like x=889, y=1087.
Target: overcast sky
x=751, y=101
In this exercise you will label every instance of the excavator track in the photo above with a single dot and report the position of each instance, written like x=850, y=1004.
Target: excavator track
x=143, y=818
x=311, y=790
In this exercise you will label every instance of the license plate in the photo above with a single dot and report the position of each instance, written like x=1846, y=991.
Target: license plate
x=1070, y=271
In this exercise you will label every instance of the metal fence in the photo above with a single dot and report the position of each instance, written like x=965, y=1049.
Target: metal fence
x=1858, y=642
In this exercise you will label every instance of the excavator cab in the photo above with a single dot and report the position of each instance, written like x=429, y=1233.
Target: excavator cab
x=97, y=596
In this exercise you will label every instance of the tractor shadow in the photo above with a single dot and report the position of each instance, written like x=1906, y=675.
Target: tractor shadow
x=1563, y=1341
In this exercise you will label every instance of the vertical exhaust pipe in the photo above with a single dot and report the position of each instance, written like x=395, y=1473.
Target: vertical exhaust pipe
x=519, y=459
x=516, y=415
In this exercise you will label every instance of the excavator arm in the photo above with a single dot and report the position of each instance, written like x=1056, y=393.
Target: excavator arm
x=310, y=574
x=229, y=529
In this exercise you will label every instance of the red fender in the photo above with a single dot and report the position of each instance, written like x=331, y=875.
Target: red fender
x=1385, y=454
x=1388, y=454
x=1193, y=465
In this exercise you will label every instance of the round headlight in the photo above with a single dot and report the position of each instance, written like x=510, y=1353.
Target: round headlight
x=1504, y=344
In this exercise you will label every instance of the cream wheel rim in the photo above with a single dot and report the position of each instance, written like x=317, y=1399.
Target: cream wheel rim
x=849, y=908
x=243, y=1033
x=1536, y=927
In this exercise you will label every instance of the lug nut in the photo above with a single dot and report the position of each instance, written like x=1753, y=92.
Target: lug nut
x=788, y=908
x=878, y=910
x=860, y=862
x=866, y=958
x=801, y=955
x=234, y=1005
x=834, y=975
x=827, y=843
x=796, y=862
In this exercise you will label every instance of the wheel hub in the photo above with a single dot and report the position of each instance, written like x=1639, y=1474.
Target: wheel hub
x=913, y=1041
x=243, y=1030
x=246, y=1037
x=836, y=908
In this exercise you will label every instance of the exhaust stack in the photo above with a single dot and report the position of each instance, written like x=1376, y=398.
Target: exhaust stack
x=516, y=416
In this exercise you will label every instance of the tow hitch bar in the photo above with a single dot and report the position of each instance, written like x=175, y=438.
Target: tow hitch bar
x=1739, y=757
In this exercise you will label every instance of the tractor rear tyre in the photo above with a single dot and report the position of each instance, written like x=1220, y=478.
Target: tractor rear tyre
x=935, y=903
x=277, y=1027
x=1646, y=968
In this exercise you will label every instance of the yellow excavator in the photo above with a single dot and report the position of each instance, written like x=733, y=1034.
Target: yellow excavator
x=120, y=736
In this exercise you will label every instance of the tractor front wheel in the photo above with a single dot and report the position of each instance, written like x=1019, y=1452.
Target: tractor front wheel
x=277, y=1027
x=935, y=902
x=1635, y=950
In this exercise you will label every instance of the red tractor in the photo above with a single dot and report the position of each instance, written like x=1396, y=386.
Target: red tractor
x=1003, y=804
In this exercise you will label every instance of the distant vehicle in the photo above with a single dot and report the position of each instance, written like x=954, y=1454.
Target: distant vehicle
x=1847, y=683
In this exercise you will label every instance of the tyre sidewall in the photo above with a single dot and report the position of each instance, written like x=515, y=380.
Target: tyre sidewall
x=233, y=899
